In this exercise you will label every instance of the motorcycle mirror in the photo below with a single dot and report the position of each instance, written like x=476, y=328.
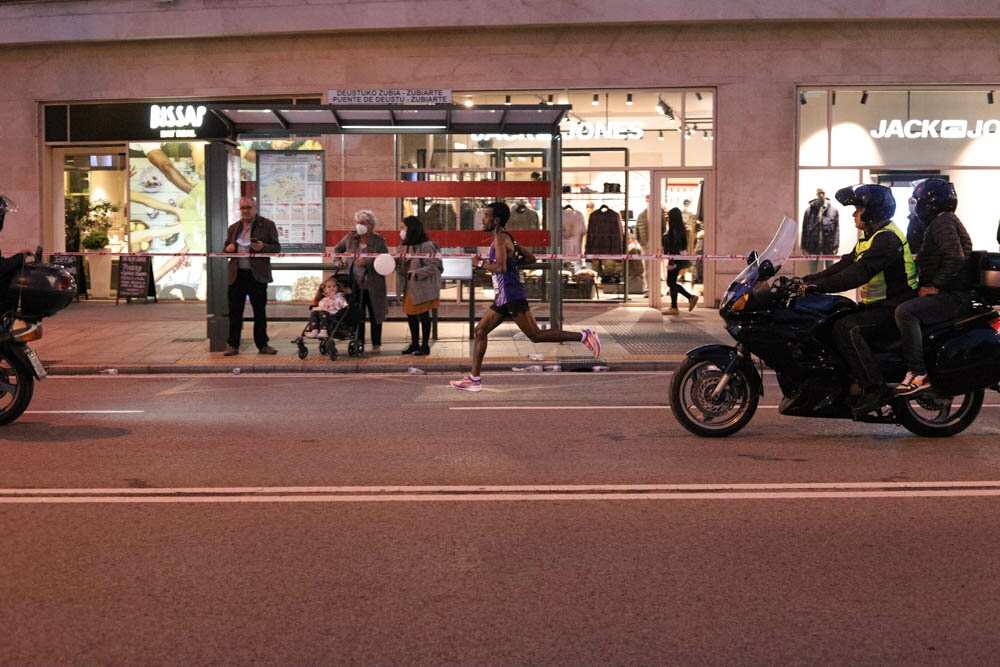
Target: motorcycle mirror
x=752, y=257
x=766, y=270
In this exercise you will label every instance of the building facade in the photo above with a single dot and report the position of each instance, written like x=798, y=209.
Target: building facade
x=780, y=87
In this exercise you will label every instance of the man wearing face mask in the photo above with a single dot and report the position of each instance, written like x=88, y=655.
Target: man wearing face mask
x=365, y=241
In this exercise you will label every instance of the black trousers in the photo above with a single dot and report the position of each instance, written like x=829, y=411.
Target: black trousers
x=244, y=286
x=376, y=327
x=851, y=335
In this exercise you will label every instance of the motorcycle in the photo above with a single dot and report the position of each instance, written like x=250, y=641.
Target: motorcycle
x=716, y=389
x=27, y=295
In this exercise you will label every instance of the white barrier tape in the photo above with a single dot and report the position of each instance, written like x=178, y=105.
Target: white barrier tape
x=405, y=255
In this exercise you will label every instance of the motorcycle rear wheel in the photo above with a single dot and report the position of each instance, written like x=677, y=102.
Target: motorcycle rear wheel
x=17, y=385
x=692, y=403
x=932, y=416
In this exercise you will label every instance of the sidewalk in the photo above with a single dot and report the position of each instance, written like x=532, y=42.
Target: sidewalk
x=171, y=337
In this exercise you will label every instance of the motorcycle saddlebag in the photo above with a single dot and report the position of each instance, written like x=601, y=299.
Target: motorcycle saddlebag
x=985, y=276
x=39, y=290
x=968, y=356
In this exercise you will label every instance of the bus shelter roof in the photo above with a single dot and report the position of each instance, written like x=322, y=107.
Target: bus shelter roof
x=267, y=120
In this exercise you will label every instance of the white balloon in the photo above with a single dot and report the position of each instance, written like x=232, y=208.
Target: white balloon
x=385, y=264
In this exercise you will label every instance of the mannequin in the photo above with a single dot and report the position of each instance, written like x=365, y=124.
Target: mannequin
x=820, y=230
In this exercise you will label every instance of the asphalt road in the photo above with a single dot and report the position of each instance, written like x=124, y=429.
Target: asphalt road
x=551, y=519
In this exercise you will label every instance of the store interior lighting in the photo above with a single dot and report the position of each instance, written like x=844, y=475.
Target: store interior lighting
x=468, y=101
x=833, y=97
x=864, y=97
x=628, y=99
x=596, y=100
x=802, y=97
x=989, y=97
x=507, y=100
x=664, y=109
x=707, y=136
x=551, y=99
x=698, y=96
x=661, y=135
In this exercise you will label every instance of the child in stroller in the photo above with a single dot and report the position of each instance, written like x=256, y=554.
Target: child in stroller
x=325, y=310
x=335, y=313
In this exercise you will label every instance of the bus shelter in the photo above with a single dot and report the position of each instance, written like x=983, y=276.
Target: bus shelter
x=275, y=121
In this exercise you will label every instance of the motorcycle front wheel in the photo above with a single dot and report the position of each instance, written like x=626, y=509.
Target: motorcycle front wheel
x=932, y=416
x=694, y=405
x=17, y=385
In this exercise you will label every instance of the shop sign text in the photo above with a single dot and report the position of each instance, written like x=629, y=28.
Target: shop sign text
x=400, y=96
x=935, y=129
x=176, y=121
x=577, y=130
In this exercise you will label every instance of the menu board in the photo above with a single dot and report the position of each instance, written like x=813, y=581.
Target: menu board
x=291, y=191
x=135, y=277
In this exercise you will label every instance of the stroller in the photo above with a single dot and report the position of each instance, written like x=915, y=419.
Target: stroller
x=346, y=324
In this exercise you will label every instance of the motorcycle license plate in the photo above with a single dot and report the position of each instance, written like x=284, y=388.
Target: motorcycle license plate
x=36, y=363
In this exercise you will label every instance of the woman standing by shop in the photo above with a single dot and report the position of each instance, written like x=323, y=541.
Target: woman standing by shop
x=675, y=242
x=365, y=241
x=419, y=280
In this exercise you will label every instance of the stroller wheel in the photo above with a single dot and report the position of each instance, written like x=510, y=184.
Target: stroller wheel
x=331, y=351
x=322, y=347
x=355, y=349
x=303, y=352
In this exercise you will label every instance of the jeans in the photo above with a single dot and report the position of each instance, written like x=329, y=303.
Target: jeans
x=851, y=335
x=929, y=309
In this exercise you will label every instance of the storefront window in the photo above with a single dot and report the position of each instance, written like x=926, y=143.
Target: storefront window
x=898, y=136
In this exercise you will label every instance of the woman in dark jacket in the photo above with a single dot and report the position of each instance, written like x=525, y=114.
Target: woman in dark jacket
x=942, y=294
x=675, y=242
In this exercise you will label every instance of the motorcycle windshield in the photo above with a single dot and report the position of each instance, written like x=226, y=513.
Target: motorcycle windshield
x=777, y=251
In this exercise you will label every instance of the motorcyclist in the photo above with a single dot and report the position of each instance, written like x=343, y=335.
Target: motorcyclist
x=943, y=293
x=8, y=265
x=881, y=267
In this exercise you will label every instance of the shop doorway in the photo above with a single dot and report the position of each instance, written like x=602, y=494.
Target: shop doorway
x=90, y=209
x=689, y=192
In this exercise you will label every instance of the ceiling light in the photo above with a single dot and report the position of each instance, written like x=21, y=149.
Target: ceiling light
x=833, y=97
x=664, y=109
x=628, y=99
x=989, y=97
x=596, y=100
x=468, y=101
x=507, y=100
x=551, y=99
x=705, y=137
x=802, y=97
x=661, y=135
x=698, y=96
x=864, y=97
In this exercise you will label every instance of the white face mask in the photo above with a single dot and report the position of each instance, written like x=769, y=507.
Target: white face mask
x=361, y=229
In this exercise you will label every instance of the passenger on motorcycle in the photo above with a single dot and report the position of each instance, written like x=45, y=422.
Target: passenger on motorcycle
x=943, y=292
x=881, y=267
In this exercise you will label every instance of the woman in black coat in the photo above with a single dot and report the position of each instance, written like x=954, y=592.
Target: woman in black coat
x=675, y=242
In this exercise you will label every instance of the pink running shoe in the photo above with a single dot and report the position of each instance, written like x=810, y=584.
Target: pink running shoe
x=592, y=342
x=467, y=384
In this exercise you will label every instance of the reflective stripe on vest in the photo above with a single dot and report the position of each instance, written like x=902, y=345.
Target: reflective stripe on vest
x=876, y=288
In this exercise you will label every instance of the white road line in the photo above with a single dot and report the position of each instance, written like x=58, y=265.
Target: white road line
x=84, y=412
x=630, y=492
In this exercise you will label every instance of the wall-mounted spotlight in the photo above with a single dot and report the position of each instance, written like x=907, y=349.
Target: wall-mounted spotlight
x=664, y=109
x=864, y=97
x=597, y=100
x=802, y=97
x=989, y=97
x=628, y=99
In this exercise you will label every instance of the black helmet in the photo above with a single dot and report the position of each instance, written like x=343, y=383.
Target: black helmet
x=934, y=195
x=877, y=200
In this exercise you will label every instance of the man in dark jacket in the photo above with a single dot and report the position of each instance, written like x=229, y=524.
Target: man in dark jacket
x=943, y=293
x=881, y=267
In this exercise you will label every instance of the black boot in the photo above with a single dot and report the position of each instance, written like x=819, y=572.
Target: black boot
x=422, y=351
x=411, y=348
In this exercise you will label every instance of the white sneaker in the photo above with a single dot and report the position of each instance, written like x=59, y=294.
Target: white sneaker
x=468, y=384
x=312, y=333
x=912, y=384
